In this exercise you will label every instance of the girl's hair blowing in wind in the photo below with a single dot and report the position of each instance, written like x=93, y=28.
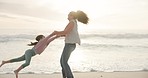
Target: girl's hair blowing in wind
x=38, y=38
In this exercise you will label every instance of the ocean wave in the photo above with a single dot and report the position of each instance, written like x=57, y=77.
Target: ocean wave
x=112, y=46
x=7, y=38
x=117, y=36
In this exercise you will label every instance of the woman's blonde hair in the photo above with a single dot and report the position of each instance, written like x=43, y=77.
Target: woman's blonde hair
x=80, y=16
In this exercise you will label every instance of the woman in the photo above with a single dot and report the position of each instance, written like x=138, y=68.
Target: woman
x=71, y=38
x=39, y=47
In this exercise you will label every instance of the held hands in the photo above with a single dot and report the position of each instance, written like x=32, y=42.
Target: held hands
x=55, y=32
x=58, y=34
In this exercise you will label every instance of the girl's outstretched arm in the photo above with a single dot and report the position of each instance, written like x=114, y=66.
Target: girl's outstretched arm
x=51, y=39
x=52, y=34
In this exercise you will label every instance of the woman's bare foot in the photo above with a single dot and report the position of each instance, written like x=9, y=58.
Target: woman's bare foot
x=3, y=62
x=16, y=73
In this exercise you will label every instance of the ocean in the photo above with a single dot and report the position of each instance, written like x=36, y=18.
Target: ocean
x=104, y=51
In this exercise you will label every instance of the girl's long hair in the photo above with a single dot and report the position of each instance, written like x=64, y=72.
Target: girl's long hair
x=37, y=40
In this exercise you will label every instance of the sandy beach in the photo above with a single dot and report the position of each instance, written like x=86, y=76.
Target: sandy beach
x=84, y=75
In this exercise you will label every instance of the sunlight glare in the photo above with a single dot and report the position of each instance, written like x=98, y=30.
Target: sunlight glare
x=94, y=9
x=77, y=57
x=90, y=7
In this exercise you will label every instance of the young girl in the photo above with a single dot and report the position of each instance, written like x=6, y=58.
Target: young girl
x=71, y=35
x=39, y=47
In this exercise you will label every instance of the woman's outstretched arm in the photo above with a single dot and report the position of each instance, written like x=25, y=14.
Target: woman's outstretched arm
x=67, y=29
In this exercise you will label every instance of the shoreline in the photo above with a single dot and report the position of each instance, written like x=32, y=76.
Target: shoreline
x=48, y=73
x=73, y=72
x=128, y=74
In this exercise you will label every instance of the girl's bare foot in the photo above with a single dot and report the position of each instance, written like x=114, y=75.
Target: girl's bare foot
x=3, y=62
x=16, y=73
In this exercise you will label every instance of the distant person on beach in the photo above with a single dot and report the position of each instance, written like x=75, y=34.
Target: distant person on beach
x=39, y=47
x=71, y=38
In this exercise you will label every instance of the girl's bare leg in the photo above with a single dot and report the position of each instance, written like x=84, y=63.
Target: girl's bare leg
x=4, y=62
x=16, y=71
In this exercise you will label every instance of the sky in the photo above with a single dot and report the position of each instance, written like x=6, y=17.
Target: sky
x=52, y=14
